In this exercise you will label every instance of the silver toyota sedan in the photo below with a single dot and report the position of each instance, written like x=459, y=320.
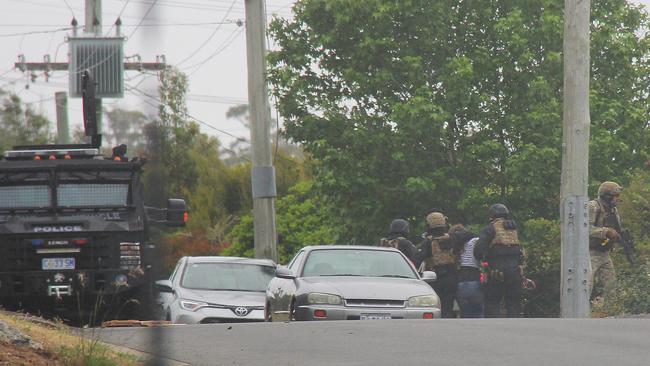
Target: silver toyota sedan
x=215, y=290
x=330, y=282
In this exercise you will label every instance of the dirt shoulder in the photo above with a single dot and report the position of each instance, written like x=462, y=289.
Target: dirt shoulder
x=31, y=340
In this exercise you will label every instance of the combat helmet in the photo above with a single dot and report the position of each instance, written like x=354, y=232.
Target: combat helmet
x=609, y=189
x=498, y=210
x=399, y=226
x=436, y=220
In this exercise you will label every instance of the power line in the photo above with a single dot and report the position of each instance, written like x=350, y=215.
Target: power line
x=69, y=8
x=156, y=99
x=197, y=120
x=34, y=32
x=120, y=15
x=229, y=40
x=209, y=38
x=143, y=18
x=200, y=6
x=21, y=25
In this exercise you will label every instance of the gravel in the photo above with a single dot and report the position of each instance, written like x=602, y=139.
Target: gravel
x=12, y=335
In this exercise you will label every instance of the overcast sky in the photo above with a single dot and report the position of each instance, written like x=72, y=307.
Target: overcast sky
x=201, y=37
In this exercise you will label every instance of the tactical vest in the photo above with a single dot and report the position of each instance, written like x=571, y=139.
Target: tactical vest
x=392, y=243
x=439, y=256
x=503, y=236
x=603, y=219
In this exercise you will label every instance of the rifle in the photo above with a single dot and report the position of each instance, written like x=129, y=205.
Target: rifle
x=612, y=220
x=628, y=245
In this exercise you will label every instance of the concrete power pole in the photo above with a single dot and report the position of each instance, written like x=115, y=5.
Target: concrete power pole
x=93, y=24
x=574, y=302
x=263, y=173
x=62, y=130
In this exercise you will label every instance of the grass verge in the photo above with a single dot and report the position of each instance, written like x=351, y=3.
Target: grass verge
x=65, y=347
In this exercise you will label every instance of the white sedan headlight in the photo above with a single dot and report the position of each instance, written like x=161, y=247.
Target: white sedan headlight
x=320, y=298
x=425, y=301
x=192, y=305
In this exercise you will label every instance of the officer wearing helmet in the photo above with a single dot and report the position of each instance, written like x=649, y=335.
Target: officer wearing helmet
x=435, y=254
x=604, y=223
x=499, y=244
x=398, y=232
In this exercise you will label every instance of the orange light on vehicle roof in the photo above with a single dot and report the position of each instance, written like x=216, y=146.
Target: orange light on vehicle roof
x=186, y=216
x=52, y=157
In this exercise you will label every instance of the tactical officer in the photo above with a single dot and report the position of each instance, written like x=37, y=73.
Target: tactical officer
x=398, y=231
x=499, y=243
x=435, y=254
x=604, y=232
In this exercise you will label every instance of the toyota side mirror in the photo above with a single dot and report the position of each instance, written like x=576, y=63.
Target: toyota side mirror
x=163, y=286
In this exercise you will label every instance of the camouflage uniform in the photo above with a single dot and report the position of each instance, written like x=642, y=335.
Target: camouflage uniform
x=603, y=217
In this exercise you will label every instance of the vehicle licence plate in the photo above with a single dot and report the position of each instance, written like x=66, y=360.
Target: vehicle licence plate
x=58, y=263
x=375, y=316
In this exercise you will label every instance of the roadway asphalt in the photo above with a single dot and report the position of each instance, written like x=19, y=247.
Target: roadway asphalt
x=483, y=342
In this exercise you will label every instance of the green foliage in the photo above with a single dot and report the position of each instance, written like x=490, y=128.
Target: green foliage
x=632, y=295
x=91, y=352
x=409, y=105
x=302, y=219
x=125, y=127
x=20, y=125
x=541, y=242
x=635, y=205
x=185, y=163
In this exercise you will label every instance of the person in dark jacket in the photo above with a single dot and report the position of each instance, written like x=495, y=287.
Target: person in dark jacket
x=499, y=244
x=469, y=292
x=398, y=232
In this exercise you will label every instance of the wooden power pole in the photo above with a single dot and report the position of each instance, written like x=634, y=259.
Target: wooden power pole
x=263, y=173
x=574, y=302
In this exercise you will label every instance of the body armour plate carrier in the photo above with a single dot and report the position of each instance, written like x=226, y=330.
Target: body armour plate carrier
x=391, y=243
x=439, y=256
x=604, y=218
x=503, y=236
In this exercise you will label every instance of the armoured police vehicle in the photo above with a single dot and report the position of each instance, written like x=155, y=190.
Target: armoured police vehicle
x=74, y=228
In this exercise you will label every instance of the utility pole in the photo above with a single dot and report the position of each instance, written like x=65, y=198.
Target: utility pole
x=92, y=28
x=62, y=130
x=93, y=24
x=574, y=302
x=263, y=172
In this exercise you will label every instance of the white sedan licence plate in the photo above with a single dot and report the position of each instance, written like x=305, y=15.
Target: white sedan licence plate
x=58, y=263
x=375, y=316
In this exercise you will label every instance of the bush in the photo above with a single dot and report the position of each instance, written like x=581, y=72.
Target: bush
x=301, y=220
x=541, y=242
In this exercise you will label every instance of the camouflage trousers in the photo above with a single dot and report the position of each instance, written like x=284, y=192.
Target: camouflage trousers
x=602, y=270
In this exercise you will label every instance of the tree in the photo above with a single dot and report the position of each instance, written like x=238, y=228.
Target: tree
x=302, y=219
x=409, y=105
x=125, y=127
x=239, y=150
x=20, y=125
